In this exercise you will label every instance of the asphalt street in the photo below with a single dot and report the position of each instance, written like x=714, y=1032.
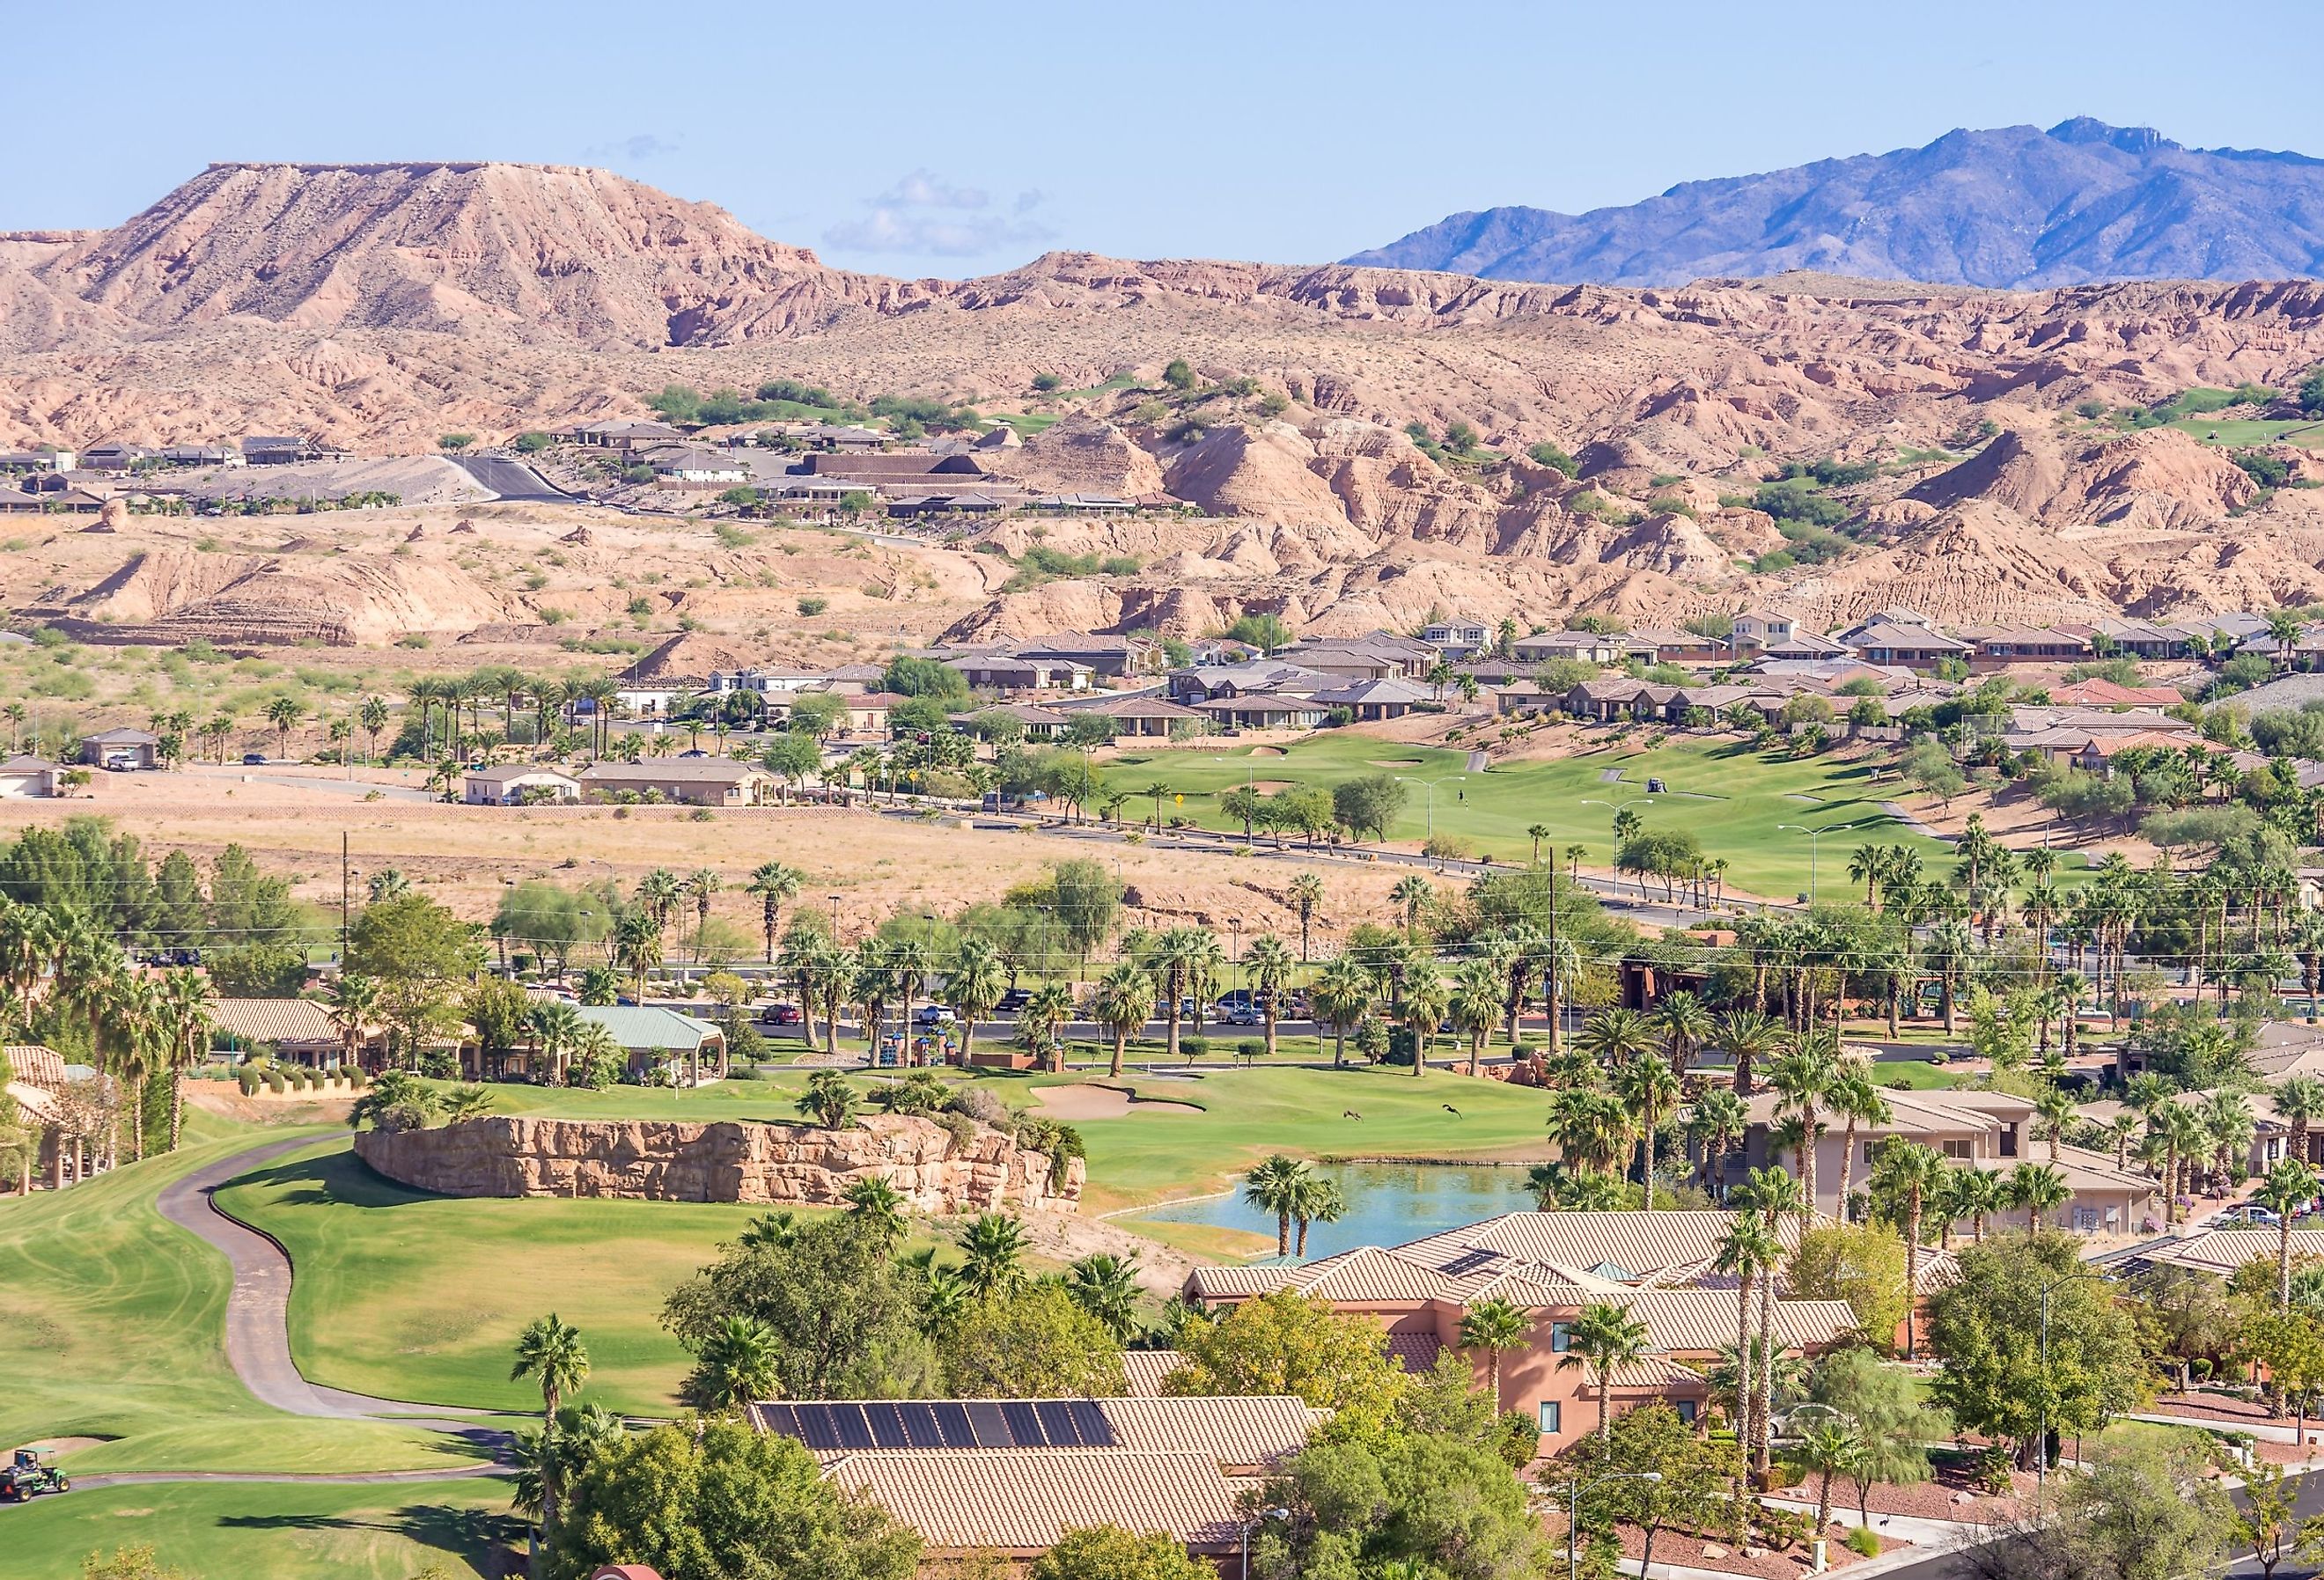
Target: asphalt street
x=509, y=479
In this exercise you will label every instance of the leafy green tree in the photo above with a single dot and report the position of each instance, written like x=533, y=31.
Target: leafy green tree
x=1284, y=1343
x=1368, y=803
x=1985, y=1331
x=2144, y=1511
x=417, y=951
x=846, y=1318
x=1108, y=1552
x=1670, y=1477
x=1860, y=1263
x=719, y=1500
x=1033, y=1341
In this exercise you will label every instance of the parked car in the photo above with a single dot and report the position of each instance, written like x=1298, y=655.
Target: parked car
x=1015, y=999
x=254, y=759
x=2248, y=1215
x=782, y=1015
x=933, y=1015
x=1242, y=1015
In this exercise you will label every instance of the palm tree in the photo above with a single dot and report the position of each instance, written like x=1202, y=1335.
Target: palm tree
x=2300, y=1102
x=1041, y=1023
x=2227, y=1121
x=1615, y=1037
x=1342, y=995
x=1123, y=1004
x=1770, y=1193
x=1747, y=1036
x=637, y=947
x=878, y=1206
x=1273, y=1187
x=1902, y=1174
x=1591, y=1128
x=1685, y=1026
x=1748, y=1252
x=1315, y=1199
x=2183, y=1139
x=1601, y=1337
x=1852, y=1095
x=1426, y=998
x=551, y=1351
x=1537, y=832
x=1648, y=1087
x=828, y=1100
x=978, y=978
x=556, y=1027
x=2289, y=1185
x=773, y=883
x=2039, y=1188
x=994, y=1244
x=1493, y=1326
x=1800, y=1077
x=701, y=884
x=1271, y=968
x=659, y=891
x=739, y=1363
x=1106, y=1287
x=355, y=1007
x=1715, y=1123
x=187, y=1002
x=1410, y=896
x=1476, y=1006
x=1305, y=896
x=283, y=713
x=1825, y=1449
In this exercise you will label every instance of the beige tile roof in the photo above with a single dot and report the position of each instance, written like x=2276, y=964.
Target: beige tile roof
x=35, y=1066
x=1241, y=1432
x=1147, y=1368
x=1656, y=1372
x=2223, y=1250
x=1025, y=1500
x=1701, y=1321
x=297, y=1020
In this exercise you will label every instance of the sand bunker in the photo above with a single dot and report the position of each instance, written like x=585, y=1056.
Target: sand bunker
x=1268, y=786
x=1083, y=1102
x=1267, y=750
x=1393, y=761
x=63, y=1445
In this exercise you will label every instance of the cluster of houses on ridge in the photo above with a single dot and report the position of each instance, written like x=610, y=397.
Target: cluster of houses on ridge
x=78, y=483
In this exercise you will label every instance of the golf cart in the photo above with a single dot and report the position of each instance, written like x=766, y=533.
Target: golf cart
x=26, y=1477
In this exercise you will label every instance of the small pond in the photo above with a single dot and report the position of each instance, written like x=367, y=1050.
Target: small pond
x=1388, y=1204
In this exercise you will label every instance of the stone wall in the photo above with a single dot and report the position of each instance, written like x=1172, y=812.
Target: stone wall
x=799, y=1165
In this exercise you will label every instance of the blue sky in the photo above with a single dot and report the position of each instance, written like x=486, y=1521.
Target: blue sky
x=960, y=139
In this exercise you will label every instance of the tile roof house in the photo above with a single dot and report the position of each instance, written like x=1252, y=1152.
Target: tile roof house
x=1551, y=1264
x=516, y=784
x=298, y=1028
x=22, y=776
x=702, y=781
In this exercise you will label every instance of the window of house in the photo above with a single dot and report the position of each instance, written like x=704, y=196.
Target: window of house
x=1552, y=1413
x=1960, y=1149
x=1686, y=1410
x=1560, y=1337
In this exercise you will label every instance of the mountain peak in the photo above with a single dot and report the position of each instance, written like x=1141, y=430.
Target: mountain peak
x=2008, y=208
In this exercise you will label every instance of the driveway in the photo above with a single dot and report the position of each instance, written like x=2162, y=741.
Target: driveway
x=509, y=479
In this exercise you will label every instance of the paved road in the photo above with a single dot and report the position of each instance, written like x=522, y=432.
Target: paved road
x=509, y=479
x=257, y=1312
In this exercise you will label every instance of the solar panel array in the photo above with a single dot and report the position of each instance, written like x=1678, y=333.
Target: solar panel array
x=938, y=1424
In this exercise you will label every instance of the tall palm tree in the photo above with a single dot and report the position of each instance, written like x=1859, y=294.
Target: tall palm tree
x=1476, y=1006
x=188, y=1003
x=551, y=1351
x=1615, y=1037
x=2289, y=1185
x=773, y=883
x=1305, y=894
x=659, y=891
x=1273, y=1187
x=1748, y=1252
x=2054, y=1107
x=1770, y=1193
x=978, y=978
x=1411, y=896
x=1591, y=1128
x=2226, y=1117
x=1123, y=1004
x=2184, y=1139
x=2040, y=1190
x=1343, y=996
x=1903, y=1172
x=1041, y=1023
x=1714, y=1124
x=1648, y=1087
x=637, y=947
x=1686, y=1025
x=1601, y=1338
x=1269, y=966
x=2300, y=1102
x=1852, y=1095
x=1315, y=1200
x=1494, y=1326
x=1800, y=1077
x=1426, y=998
x=556, y=1028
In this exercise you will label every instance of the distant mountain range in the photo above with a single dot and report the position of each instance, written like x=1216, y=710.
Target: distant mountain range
x=2011, y=207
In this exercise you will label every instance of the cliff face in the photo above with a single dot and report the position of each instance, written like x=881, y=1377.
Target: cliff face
x=793, y=1165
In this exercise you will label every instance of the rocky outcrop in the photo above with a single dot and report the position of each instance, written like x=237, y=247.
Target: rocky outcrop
x=798, y=1164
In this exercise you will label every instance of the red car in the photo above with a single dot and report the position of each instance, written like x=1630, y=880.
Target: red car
x=782, y=1015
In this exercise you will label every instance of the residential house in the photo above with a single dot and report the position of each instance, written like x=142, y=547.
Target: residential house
x=2099, y=692
x=1683, y=647
x=1040, y=723
x=276, y=450
x=1264, y=712
x=1589, y=647
x=21, y=777
x=1995, y=649
x=894, y=466
x=1964, y=1127
x=1004, y=672
x=651, y=698
x=2097, y=753
x=694, y=467
x=1202, y=682
x=1457, y=638
x=1369, y=700
x=1146, y=715
x=1113, y=657
x=1357, y=657
x=1759, y=628
x=601, y=434
x=1809, y=646
x=1353, y=662
x=519, y=784
x=114, y=456
x=1903, y=646
x=1656, y=1265
x=299, y=1030
x=700, y=782
x=125, y=749
x=916, y=506
x=2221, y=1252
x=30, y=461
x=15, y=502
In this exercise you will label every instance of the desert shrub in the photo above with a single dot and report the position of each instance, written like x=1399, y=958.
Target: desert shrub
x=275, y=1081
x=248, y=1077
x=1446, y=847
x=981, y=1105
x=1863, y=1543
x=1194, y=1047
x=811, y=607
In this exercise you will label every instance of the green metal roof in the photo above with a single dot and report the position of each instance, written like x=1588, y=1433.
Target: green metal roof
x=641, y=1028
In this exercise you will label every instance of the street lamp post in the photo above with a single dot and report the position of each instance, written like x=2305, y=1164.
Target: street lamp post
x=1574, y=1511
x=1432, y=784
x=1815, y=845
x=1619, y=808
x=1253, y=1524
x=2042, y=1438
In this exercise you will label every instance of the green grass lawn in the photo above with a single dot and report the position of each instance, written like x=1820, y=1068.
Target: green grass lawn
x=111, y=1325
x=2241, y=432
x=1732, y=797
x=271, y=1531
x=416, y=1297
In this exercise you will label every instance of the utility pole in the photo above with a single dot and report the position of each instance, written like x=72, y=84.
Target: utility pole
x=343, y=898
